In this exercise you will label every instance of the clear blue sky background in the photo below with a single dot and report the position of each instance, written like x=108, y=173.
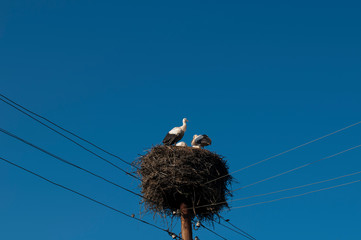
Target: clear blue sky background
x=258, y=78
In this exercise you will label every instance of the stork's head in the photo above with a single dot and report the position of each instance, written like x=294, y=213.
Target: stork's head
x=195, y=136
x=185, y=120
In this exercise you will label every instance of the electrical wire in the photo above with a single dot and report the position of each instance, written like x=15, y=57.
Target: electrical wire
x=282, y=190
x=240, y=233
x=73, y=141
x=69, y=163
x=298, y=195
x=87, y=197
x=210, y=230
x=195, y=214
x=289, y=150
x=244, y=232
x=294, y=169
x=58, y=126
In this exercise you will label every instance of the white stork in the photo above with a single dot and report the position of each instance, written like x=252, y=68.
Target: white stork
x=200, y=141
x=176, y=134
x=181, y=144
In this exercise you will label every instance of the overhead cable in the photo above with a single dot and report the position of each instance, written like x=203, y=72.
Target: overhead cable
x=296, y=168
x=67, y=162
x=289, y=150
x=242, y=232
x=18, y=106
x=297, y=195
x=282, y=190
x=87, y=197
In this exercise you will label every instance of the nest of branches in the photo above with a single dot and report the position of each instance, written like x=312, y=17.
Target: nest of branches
x=173, y=175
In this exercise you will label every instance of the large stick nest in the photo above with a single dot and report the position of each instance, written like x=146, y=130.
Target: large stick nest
x=173, y=175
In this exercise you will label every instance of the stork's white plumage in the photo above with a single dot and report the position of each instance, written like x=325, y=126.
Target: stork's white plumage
x=181, y=144
x=200, y=141
x=176, y=134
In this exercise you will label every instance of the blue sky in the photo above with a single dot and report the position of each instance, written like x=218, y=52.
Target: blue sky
x=258, y=78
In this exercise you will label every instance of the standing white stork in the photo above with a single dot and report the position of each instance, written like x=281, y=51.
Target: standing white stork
x=200, y=141
x=176, y=134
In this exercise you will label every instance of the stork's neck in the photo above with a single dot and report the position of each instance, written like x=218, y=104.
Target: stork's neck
x=184, y=126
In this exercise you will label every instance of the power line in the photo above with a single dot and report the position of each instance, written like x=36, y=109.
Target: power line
x=69, y=163
x=87, y=197
x=292, y=188
x=233, y=230
x=298, y=195
x=12, y=104
x=294, y=169
x=242, y=232
x=210, y=230
x=73, y=141
x=289, y=150
x=282, y=190
x=195, y=214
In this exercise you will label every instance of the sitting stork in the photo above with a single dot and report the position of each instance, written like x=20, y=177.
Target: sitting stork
x=200, y=141
x=176, y=134
x=181, y=144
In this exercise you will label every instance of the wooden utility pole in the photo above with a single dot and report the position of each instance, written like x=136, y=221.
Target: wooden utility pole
x=186, y=220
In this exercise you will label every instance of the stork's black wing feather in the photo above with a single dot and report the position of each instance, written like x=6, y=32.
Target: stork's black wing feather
x=169, y=139
x=203, y=140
